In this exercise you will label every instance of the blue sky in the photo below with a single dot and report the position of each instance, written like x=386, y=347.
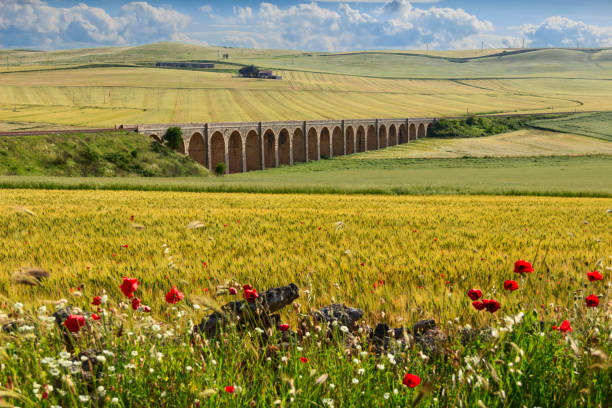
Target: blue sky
x=318, y=26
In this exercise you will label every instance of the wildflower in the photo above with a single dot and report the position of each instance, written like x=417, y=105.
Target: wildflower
x=510, y=285
x=97, y=301
x=380, y=367
x=521, y=267
x=594, y=276
x=232, y=290
x=592, y=301
x=95, y=316
x=146, y=309
x=135, y=303
x=491, y=305
x=474, y=294
x=115, y=400
x=229, y=389
x=355, y=381
x=361, y=371
x=411, y=380
x=564, y=327
x=84, y=398
x=174, y=296
x=478, y=305
x=18, y=306
x=129, y=286
x=101, y=358
x=283, y=327
x=249, y=293
x=74, y=322
x=344, y=329
x=386, y=395
x=303, y=360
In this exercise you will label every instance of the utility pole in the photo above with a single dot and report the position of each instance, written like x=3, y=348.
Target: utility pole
x=15, y=100
x=482, y=45
x=523, y=43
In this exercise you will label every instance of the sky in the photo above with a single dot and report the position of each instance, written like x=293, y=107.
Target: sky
x=328, y=25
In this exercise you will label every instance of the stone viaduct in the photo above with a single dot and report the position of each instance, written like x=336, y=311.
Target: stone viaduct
x=247, y=146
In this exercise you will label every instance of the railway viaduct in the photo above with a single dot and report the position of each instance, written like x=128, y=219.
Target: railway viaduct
x=247, y=146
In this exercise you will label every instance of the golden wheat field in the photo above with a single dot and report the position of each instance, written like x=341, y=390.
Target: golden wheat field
x=428, y=250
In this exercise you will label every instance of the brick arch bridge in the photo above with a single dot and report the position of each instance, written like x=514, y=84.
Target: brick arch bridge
x=247, y=146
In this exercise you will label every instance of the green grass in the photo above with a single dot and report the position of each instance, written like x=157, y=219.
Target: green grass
x=552, y=176
x=104, y=154
x=598, y=125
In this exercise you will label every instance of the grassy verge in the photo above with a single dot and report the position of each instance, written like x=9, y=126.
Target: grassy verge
x=83, y=155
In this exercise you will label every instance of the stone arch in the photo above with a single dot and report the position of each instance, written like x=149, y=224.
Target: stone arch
x=252, y=151
x=313, y=144
x=269, y=150
x=372, y=142
x=382, y=136
x=234, y=153
x=350, y=140
x=403, y=134
x=413, y=134
x=155, y=138
x=284, y=147
x=197, y=150
x=181, y=147
x=421, y=131
x=324, y=141
x=337, y=142
x=361, y=139
x=298, y=146
x=392, y=135
x=429, y=129
x=217, y=150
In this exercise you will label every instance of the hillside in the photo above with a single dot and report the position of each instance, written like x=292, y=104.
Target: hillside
x=99, y=154
x=596, y=125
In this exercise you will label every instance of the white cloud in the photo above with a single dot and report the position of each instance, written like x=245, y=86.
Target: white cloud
x=34, y=23
x=206, y=9
x=564, y=32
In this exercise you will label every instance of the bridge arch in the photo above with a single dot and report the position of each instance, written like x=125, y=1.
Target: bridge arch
x=297, y=145
x=155, y=138
x=313, y=144
x=361, y=139
x=372, y=143
x=284, y=147
x=252, y=151
x=217, y=150
x=181, y=147
x=350, y=140
x=392, y=135
x=197, y=150
x=337, y=142
x=324, y=142
x=403, y=134
x=382, y=136
x=413, y=133
x=421, y=131
x=234, y=153
x=269, y=149
x=429, y=129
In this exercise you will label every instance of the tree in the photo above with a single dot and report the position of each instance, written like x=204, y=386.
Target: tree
x=250, y=71
x=173, y=137
x=220, y=169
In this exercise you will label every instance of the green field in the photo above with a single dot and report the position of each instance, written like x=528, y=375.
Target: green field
x=109, y=86
x=597, y=125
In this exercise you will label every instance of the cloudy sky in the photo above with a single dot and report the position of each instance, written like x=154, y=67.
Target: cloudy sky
x=328, y=25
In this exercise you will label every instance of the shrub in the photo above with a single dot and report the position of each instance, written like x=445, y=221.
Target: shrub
x=220, y=169
x=250, y=71
x=173, y=136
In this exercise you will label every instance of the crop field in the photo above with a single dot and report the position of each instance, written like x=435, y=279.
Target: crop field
x=109, y=86
x=596, y=125
x=398, y=259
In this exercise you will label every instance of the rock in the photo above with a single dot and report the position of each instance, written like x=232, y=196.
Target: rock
x=342, y=314
x=423, y=326
x=258, y=312
x=468, y=335
x=428, y=336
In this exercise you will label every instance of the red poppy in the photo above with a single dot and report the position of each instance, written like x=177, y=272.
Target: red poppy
x=474, y=294
x=565, y=327
x=229, y=389
x=592, y=301
x=74, y=322
x=232, y=290
x=135, y=303
x=205, y=264
x=125, y=246
x=95, y=316
x=411, y=380
x=510, y=285
x=478, y=305
x=283, y=327
x=521, y=266
x=132, y=217
x=247, y=287
x=97, y=301
x=146, y=309
x=174, y=296
x=491, y=305
x=250, y=295
x=594, y=276
x=129, y=286
x=303, y=360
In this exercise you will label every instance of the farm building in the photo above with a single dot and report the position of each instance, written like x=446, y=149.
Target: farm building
x=269, y=75
x=184, y=65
